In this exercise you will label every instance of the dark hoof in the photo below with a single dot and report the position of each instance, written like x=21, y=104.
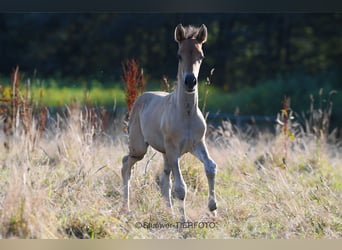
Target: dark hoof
x=212, y=206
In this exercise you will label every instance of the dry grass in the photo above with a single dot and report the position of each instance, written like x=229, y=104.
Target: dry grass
x=64, y=181
x=69, y=186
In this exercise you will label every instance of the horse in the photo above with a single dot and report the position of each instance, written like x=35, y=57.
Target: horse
x=172, y=124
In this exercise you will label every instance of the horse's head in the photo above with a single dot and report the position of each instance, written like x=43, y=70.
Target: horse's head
x=190, y=54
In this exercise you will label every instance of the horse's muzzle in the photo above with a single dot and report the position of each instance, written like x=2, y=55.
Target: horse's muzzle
x=190, y=82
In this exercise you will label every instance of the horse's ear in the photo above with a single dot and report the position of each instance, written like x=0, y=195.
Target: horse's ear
x=202, y=34
x=179, y=33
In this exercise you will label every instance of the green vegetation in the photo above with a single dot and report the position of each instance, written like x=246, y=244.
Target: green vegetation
x=258, y=57
x=244, y=48
x=56, y=93
x=263, y=99
x=266, y=97
x=97, y=96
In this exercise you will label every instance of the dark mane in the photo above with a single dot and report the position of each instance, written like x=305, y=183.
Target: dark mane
x=191, y=32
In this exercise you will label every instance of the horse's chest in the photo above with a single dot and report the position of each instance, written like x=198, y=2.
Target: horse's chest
x=182, y=132
x=187, y=143
x=190, y=136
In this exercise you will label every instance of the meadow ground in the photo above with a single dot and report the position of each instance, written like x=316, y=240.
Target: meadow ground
x=67, y=184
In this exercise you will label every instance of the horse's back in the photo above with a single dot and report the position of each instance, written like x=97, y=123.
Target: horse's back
x=149, y=100
x=151, y=96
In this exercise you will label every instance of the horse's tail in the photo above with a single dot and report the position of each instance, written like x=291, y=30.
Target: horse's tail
x=125, y=123
x=131, y=97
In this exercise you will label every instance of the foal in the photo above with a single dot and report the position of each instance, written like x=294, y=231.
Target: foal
x=172, y=123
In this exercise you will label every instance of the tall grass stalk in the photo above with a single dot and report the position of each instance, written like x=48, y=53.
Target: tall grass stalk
x=133, y=78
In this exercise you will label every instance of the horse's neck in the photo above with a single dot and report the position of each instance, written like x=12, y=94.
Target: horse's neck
x=187, y=103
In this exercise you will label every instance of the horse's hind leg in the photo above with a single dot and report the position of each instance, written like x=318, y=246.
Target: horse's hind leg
x=127, y=164
x=137, y=150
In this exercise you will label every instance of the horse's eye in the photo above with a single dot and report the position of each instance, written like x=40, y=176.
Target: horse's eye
x=201, y=58
x=179, y=57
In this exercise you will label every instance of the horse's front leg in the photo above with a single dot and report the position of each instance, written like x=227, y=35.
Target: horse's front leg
x=172, y=161
x=201, y=152
x=165, y=183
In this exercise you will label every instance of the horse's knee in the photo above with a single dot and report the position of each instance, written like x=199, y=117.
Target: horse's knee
x=180, y=192
x=210, y=168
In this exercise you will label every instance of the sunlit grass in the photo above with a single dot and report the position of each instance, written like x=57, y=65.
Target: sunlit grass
x=66, y=182
x=69, y=186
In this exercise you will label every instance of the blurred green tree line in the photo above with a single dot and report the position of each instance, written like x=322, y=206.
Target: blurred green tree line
x=244, y=48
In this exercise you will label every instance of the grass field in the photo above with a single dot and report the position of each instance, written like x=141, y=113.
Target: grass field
x=66, y=183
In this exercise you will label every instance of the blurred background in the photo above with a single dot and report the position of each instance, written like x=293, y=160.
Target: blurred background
x=258, y=57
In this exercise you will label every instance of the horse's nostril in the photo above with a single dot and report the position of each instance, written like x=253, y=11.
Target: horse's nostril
x=190, y=81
